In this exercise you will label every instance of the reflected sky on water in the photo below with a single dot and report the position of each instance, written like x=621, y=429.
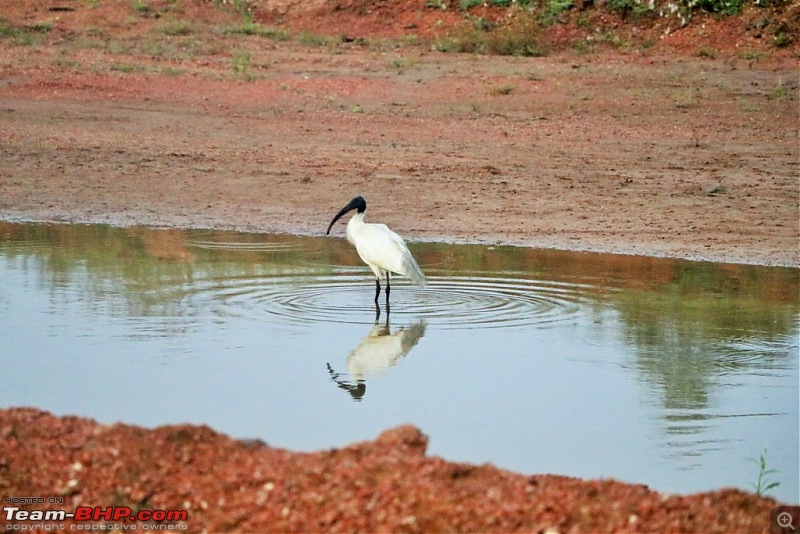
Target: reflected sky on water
x=670, y=373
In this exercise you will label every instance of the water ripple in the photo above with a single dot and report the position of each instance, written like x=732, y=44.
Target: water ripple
x=749, y=353
x=242, y=246
x=449, y=302
x=238, y=242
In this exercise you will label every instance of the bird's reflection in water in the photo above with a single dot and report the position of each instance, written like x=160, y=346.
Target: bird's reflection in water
x=378, y=351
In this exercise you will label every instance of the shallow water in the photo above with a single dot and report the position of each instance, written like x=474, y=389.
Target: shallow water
x=669, y=373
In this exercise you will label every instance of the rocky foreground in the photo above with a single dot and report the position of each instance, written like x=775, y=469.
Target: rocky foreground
x=386, y=485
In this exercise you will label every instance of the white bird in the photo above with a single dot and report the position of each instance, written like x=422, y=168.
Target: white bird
x=378, y=351
x=381, y=349
x=381, y=249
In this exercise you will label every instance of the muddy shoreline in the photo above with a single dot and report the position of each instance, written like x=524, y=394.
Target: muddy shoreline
x=227, y=165
x=179, y=223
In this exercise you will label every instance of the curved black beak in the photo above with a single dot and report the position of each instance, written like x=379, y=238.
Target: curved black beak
x=357, y=203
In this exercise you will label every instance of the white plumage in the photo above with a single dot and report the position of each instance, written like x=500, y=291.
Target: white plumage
x=380, y=248
x=377, y=352
x=383, y=250
x=382, y=349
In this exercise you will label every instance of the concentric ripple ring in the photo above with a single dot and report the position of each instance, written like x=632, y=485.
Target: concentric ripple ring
x=345, y=296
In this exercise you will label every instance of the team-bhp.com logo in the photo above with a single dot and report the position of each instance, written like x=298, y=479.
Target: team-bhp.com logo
x=95, y=518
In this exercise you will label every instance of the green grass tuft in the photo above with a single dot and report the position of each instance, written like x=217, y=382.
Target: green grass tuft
x=253, y=28
x=763, y=484
x=178, y=27
x=314, y=39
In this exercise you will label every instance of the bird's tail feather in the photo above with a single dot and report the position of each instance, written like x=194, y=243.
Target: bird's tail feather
x=414, y=273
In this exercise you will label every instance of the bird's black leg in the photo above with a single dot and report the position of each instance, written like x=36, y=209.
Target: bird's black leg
x=388, y=288
x=377, y=290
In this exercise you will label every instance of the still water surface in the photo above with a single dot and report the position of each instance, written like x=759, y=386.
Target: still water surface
x=670, y=373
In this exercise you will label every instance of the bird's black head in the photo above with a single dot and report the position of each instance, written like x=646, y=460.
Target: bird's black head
x=358, y=203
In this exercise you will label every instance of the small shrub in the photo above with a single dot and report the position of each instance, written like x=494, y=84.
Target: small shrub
x=726, y=7
x=519, y=37
x=632, y=7
x=155, y=47
x=6, y=31
x=754, y=56
x=141, y=7
x=554, y=9
x=503, y=90
x=611, y=38
x=446, y=44
x=21, y=36
x=172, y=71
x=707, y=52
x=436, y=4
x=401, y=63
x=782, y=39
x=681, y=10
x=239, y=6
x=465, y=38
x=313, y=39
x=686, y=98
x=177, y=28
x=779, y=91
x=117, y=47
x=465, y=5
x=241, y=63
x=253, y=28
x=122, y=67
x=40, y=27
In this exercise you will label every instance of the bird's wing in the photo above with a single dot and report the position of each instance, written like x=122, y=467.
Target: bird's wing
x=412, y=270
x=385, y=249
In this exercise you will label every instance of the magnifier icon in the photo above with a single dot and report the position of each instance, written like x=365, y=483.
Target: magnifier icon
x=784, y=520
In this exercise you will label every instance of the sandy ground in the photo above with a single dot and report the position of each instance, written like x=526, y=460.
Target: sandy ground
x=644, y=152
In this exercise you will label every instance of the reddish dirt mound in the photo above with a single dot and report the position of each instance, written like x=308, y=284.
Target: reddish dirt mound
x=772, y=31
x=775, y=29
x=359, y=18
x=384, y=485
